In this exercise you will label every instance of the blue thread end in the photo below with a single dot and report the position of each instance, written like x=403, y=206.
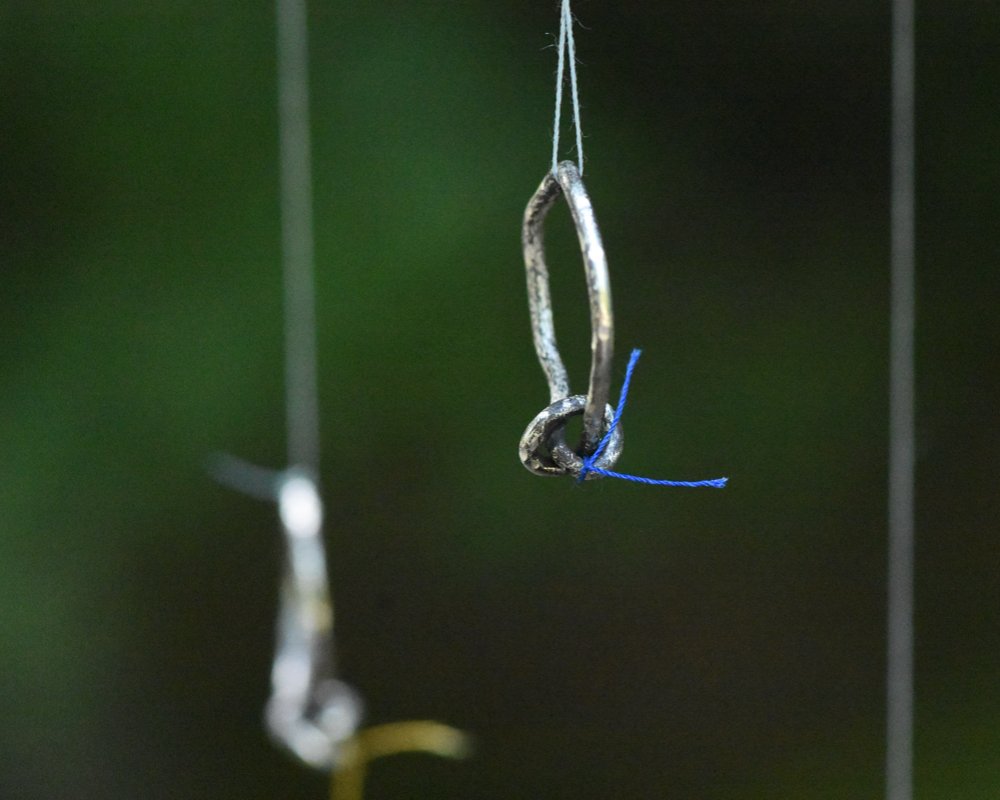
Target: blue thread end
x=590, y=461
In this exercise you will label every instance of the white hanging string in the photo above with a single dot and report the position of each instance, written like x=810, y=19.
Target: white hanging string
x=310, y=712
x=900, y=627
x=567, y=52
x=301, y=393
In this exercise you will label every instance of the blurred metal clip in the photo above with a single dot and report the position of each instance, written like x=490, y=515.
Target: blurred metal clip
x=310, y=712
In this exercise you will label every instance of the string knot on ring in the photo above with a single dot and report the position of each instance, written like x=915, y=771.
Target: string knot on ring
x=592, y=463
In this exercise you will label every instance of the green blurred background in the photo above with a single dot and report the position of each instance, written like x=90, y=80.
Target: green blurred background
x=606, y=641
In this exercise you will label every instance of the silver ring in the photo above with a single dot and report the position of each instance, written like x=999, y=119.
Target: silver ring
x=543, y=449
x=566, y=181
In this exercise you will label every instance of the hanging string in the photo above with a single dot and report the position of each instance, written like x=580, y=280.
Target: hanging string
x=899, y=656
x=301, y=393
x=567, y=52
x=588, y=464
x=307, y=587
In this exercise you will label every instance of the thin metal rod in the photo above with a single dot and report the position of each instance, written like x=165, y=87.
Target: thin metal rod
x=301, y=392
x=900, y=627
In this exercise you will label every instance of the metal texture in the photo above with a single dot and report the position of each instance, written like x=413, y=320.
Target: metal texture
x=543, y=449
x=546, y=432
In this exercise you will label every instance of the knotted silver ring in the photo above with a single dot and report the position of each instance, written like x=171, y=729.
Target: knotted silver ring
x=543, y=449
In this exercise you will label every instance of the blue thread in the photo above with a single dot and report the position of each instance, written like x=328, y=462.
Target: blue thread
x=588, y=463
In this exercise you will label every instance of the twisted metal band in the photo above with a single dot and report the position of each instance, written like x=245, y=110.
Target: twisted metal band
x=546, y=430
x=543, y=449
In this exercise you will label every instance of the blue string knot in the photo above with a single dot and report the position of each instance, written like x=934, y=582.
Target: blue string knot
x=591, y=460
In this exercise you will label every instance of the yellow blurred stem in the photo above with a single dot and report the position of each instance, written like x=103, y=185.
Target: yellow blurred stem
x=418, y=736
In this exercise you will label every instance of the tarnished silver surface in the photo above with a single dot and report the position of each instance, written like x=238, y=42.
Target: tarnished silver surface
x=566, y=182
x=310, y=712
x=543, y=448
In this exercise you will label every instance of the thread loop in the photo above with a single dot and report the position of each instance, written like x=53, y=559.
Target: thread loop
x=567, y=52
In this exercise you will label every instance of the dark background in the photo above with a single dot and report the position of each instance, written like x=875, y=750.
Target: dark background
x=606, y=641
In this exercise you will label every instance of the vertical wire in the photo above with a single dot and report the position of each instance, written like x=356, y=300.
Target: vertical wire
x=567, y=52
x=900, y=627
x=567, y=15
x=301, y=392
x=310, y=712
x=560, y=79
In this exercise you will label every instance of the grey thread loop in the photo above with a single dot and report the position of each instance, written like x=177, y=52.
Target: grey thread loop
x=567, y=52
x=566, y=181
